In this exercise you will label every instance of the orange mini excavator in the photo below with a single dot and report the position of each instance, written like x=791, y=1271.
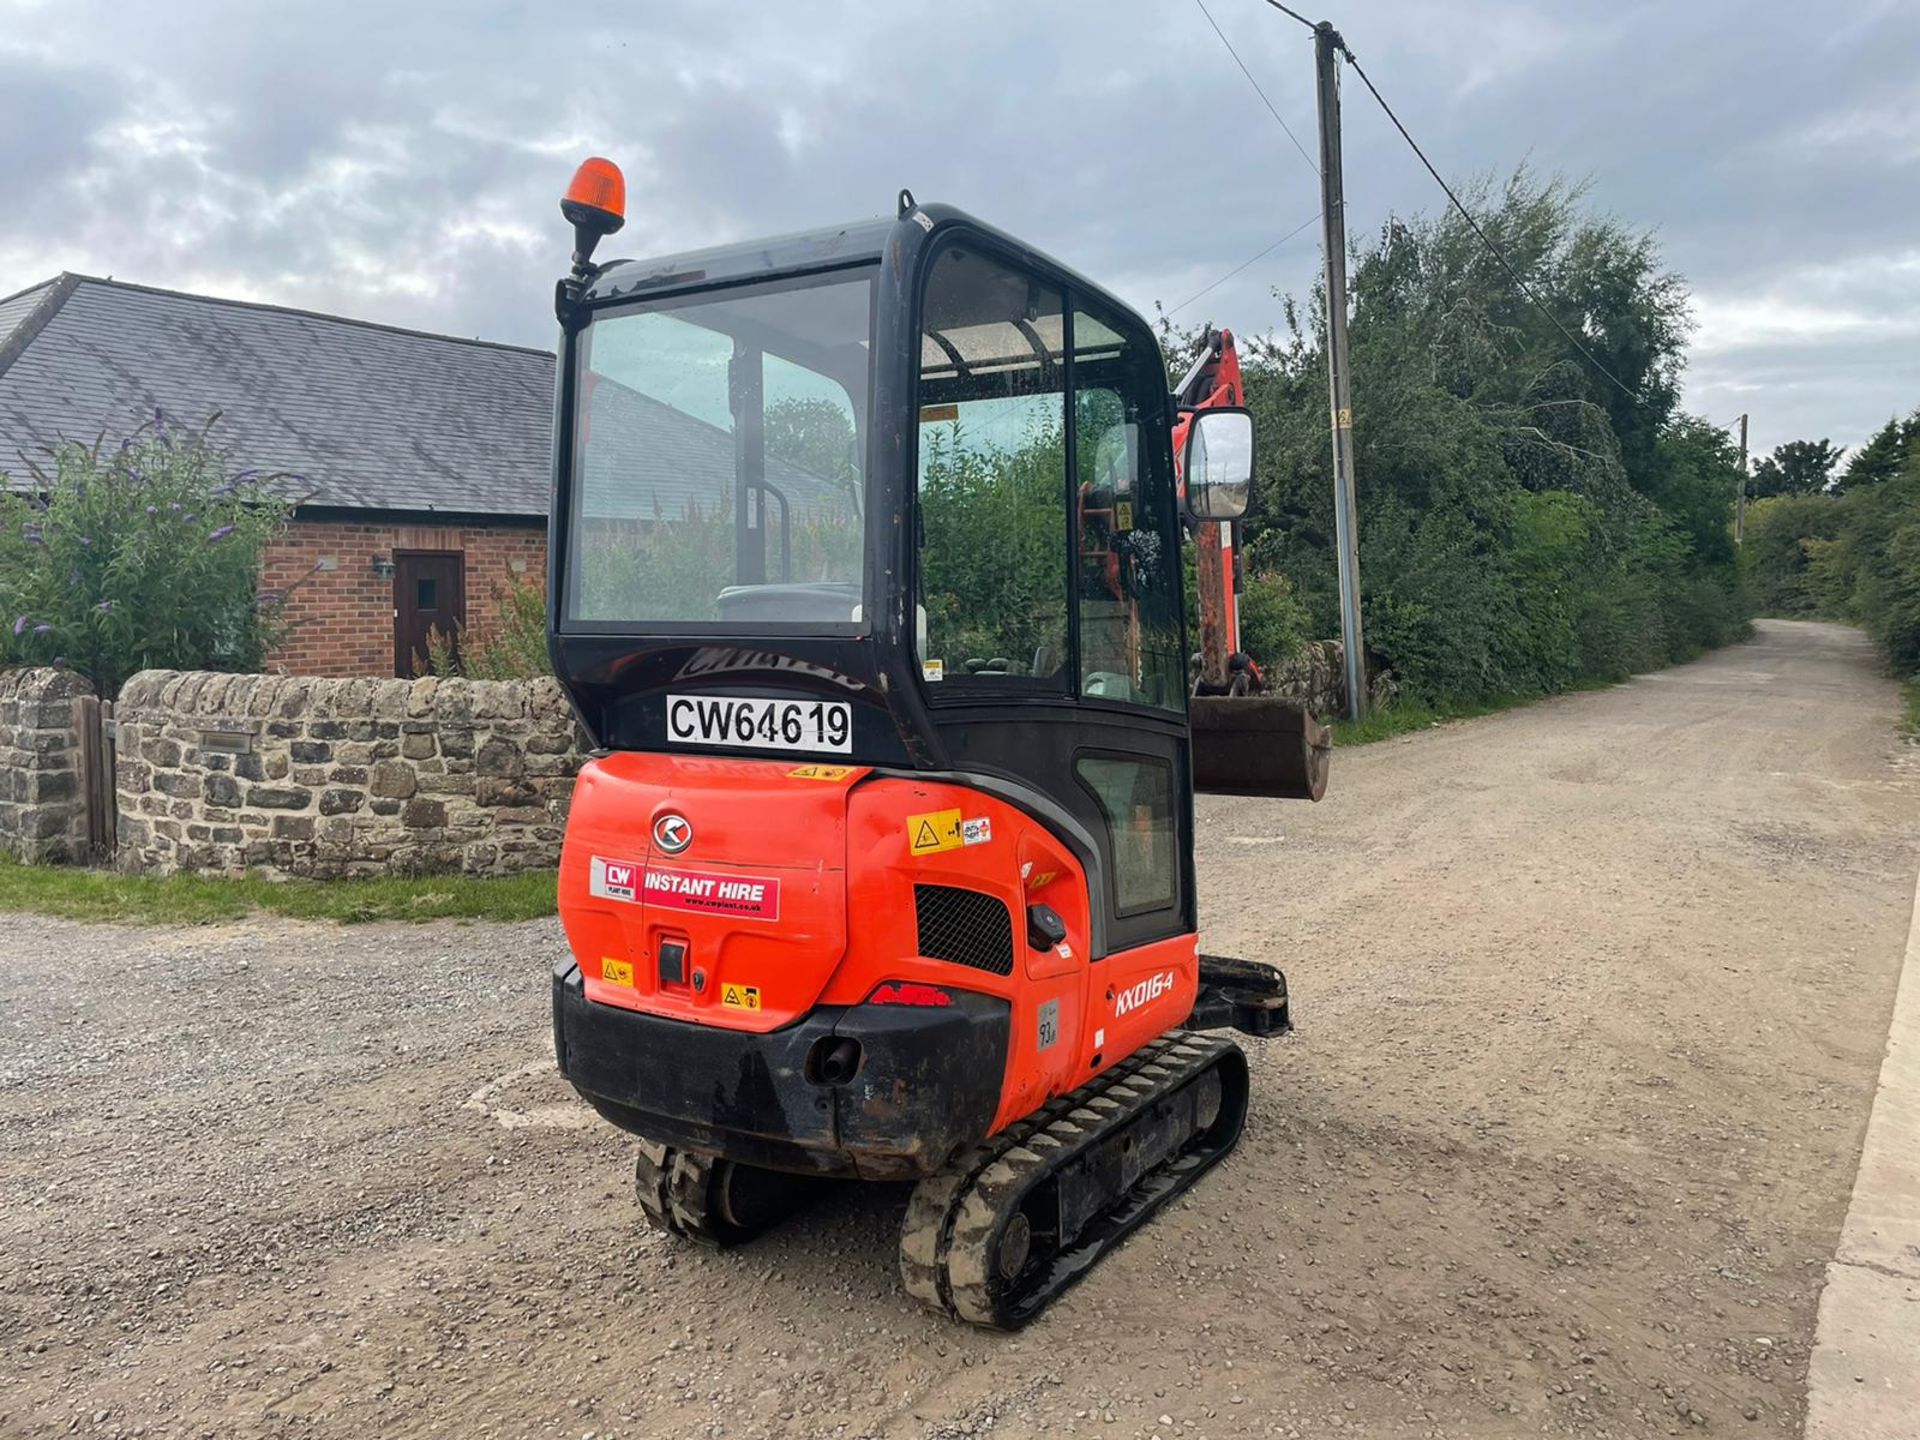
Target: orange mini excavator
x=866, y=580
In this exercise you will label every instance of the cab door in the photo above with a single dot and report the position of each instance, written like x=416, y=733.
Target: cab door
x=1128, y=635
x=1048, y=609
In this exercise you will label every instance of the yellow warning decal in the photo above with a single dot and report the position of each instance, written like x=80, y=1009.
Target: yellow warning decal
x=821, y=772
x=615, y=972
x=1044, y=877
x=933, y=832
x=935, y=414
x=1123, y=515
x=740, y=997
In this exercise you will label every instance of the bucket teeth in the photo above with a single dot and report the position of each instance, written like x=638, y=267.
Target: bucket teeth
x=1147, y=1111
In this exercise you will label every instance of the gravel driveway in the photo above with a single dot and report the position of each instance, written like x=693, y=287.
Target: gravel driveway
x=1591, y=998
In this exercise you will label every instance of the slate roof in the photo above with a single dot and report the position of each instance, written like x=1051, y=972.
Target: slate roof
x=371, y=416
x=648, y=461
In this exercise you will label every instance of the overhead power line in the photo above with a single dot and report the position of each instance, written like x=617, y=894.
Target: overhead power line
x=1474, y=225
x=1250, y=260
x=1292, y=14
x=1256, y=86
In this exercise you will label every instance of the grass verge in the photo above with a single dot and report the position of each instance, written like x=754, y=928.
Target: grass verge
x=204, y=899
x=1910, y=707
x=1408, y=716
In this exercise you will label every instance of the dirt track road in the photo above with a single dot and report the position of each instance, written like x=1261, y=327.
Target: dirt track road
x=1591, y=998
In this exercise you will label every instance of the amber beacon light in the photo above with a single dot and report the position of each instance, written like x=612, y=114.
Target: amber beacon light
x=596, y=203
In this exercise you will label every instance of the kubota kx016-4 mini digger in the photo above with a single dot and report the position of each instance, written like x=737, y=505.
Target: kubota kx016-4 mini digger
x=866, y=577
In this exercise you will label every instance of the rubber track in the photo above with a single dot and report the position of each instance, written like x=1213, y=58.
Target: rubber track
x=946, y=1238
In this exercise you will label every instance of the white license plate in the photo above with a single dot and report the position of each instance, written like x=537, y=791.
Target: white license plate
x=760, y=724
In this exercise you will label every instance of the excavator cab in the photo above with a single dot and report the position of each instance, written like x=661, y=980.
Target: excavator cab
x=866, y=580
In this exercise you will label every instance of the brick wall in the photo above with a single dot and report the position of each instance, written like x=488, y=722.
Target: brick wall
x=342, y=616
x=335, y=777
x=43, y=809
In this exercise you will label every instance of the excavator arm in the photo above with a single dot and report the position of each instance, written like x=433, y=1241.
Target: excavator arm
x=1243, y=743
x=1213, y=380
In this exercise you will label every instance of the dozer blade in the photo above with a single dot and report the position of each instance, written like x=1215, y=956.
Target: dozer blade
x=1241, y=995
x=1258, y=745
x=715, y=1202
x=1012, y=1223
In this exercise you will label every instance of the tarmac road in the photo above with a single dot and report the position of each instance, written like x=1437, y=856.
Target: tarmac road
x=1591, y=999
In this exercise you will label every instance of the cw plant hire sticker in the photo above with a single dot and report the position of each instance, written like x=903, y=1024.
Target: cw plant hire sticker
x=939, y=830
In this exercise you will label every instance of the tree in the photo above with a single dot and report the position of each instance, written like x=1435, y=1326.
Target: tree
x=1880, y=459
x=1524, y=520
x=1694, y=483
x=817, y=436
x=143, y=556
x=1799, y=467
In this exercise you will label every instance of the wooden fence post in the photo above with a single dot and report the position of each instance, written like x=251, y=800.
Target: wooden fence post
x=93, y=720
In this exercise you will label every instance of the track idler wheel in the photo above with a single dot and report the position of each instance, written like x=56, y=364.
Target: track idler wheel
x=1012, y=1223
x=712, y=1201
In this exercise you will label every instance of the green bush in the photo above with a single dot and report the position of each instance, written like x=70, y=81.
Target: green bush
x=1273, y=623
x=143, y=555
x=1851, y=555
x=1881, y=535
x=1790, y=558
x=512, y=647
x=993, y=577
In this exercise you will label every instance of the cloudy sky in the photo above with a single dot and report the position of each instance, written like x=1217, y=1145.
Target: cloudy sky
x=402, y=161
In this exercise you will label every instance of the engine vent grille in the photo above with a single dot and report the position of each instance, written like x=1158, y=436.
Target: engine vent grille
x=964, y=927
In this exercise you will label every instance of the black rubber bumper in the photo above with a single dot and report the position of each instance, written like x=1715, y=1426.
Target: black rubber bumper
x=928, y=1081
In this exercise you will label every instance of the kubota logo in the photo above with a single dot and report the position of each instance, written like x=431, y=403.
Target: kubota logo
x=1149, y=989
x=672, y=833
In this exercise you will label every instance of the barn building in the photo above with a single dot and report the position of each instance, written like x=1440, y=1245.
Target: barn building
x=422, y=460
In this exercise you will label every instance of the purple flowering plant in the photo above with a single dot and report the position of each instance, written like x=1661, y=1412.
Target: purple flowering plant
x=140, y=553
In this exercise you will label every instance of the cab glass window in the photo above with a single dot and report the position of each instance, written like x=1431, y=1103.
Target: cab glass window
x=1136, y=797
x=719, y=475
x=992, y=604
x=1127, y=540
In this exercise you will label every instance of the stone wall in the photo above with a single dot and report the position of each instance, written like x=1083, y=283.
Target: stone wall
x=293, y=775
x=43, y=805
x=1317, y=678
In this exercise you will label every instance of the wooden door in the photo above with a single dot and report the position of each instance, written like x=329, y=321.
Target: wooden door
x=429, y=595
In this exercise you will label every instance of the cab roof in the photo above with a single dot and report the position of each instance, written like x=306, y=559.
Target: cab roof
x=827, y=248
x=833, y=245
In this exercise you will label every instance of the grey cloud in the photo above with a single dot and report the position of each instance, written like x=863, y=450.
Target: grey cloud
x=402, y=162
x=46, y=112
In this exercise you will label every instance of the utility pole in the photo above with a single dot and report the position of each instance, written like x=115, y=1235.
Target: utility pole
x=1740, y=496
x=1333, y=218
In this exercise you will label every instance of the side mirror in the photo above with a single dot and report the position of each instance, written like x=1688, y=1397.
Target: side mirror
x=1219, y=464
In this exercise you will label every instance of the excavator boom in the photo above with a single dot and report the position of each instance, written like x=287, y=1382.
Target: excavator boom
x=1244, y=742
